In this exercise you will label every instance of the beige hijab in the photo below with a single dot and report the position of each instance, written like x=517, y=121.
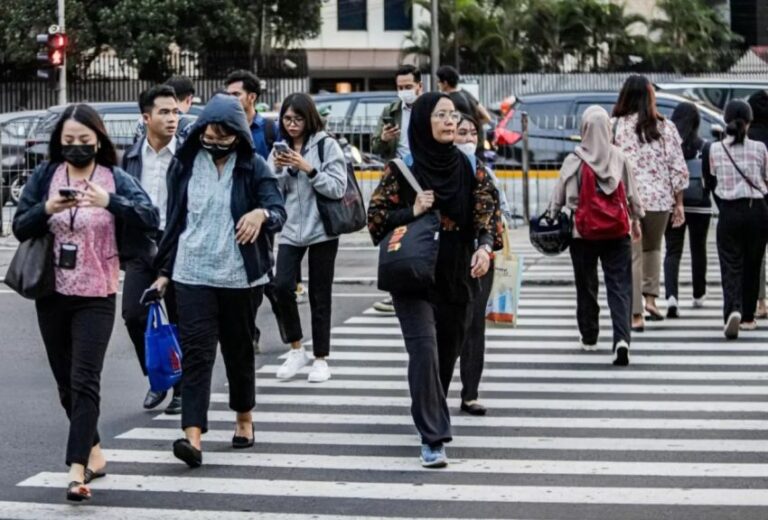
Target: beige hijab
x=597, y=150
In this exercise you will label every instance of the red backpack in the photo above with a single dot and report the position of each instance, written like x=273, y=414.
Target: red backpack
x=600, y=216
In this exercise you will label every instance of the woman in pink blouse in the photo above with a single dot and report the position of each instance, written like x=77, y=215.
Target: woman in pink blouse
x=652, y=145
x=93, y=211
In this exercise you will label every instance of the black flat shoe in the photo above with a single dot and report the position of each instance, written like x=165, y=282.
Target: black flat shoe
x=640, y=328
x=241, y=443
x=473, y=409
x=184, y=451
x=81, y=493
x=153, y=399
x=174, y=407
x=653, y=314
x=91, y=475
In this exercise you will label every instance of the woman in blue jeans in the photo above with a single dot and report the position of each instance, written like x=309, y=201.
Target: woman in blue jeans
x=434, y=321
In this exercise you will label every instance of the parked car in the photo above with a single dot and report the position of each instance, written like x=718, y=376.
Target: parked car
x=14, y=129
x=554, y=119
x=354, y=115
x=717, y=92
x=120, y=120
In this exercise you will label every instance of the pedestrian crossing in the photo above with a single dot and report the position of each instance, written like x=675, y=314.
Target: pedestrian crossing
x=682, y=433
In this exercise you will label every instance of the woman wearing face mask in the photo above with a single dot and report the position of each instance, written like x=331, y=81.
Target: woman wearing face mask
x=305, y=171
x=223, y=206
x=473, y=352
x=434, y=322
x=90, y=207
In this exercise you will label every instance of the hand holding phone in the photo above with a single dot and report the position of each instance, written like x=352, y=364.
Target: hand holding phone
x=388, y=120
x=150, y=295
x=281, y=147
x=69, y=193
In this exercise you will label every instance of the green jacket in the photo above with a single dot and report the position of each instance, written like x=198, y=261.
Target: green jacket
x=387, y=151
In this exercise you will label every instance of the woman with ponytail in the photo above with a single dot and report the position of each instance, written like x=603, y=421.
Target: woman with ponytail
x=735, y=169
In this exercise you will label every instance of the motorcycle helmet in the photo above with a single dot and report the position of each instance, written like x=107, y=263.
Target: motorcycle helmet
x=551, y=235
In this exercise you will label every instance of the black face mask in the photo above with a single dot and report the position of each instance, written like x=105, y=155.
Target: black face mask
x=217, y=152
x=79, y=155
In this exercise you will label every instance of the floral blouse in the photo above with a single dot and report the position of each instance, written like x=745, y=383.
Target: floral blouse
x=659, y=166
x=388, y=208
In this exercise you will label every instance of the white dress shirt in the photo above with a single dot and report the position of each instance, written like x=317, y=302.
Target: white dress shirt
x=153, y=175
x=403, y=147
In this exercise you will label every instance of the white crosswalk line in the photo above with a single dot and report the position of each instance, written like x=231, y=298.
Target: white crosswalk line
x=467, y=441
x=494, y=422
x=605, y=322
x=420, y=491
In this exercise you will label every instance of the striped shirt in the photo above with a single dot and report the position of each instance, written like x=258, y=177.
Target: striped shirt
x=752, y=158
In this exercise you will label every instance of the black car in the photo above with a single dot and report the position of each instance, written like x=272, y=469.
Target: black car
x=14, y=129
x=354, y=115
x=554, y=120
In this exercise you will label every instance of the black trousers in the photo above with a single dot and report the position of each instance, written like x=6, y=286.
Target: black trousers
x=76, y=332
x=139, y=275
x=434, y=335
x=473, y=353
x=698, y=229
x=207, y=316
x=616, y=259
x=322, y=259
x=742, y=230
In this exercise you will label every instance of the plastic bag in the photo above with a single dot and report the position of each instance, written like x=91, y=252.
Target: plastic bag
x=162, y=354
x=505, y=292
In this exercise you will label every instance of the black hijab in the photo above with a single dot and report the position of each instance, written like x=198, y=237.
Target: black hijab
x=440, y=167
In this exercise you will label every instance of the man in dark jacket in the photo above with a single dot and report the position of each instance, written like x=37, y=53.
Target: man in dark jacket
x=246, y=87
x=391, y=137
x=758, y=131
x=185, y=95
x=148, y=160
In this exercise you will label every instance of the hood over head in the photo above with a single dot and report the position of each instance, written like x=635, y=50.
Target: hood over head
x=224, y=110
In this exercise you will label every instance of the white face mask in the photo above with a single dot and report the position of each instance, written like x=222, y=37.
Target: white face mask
x=469, y=149
x=407, y=96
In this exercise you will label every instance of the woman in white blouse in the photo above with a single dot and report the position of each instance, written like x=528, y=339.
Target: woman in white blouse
x=652, y=145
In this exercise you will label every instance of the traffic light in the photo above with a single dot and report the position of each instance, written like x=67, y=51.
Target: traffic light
x=55, y=53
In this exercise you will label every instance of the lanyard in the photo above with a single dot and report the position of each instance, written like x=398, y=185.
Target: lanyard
x=73, y=214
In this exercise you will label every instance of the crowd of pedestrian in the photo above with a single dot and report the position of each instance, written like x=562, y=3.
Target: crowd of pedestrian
x=196, y=208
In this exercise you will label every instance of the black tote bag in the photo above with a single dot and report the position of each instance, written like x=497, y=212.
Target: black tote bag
x=344, y=215
x=408, y=254
x=31, y=271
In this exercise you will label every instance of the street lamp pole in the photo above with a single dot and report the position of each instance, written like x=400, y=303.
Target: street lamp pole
x=434, y=44
x=63, y=71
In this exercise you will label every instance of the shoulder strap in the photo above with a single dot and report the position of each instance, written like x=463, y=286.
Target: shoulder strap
x=407, y=174
x=741, y=172
x=321, y=149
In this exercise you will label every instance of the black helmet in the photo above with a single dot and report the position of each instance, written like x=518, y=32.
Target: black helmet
x=551, y=235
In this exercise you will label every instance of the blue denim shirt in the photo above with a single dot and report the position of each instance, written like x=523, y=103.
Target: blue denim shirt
x=259, y=135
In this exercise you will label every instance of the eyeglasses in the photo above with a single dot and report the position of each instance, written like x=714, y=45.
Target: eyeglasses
x=288, y=121
x=221, y=145
x=442, y=115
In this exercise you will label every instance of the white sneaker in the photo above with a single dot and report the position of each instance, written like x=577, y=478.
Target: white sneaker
x=587, y=348
x=731, y=328
x=296, y=360
x=698, y=303
x=320, y=372
x=621, y=354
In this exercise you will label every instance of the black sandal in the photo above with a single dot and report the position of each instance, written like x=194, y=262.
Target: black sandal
x=653, y=314
x=78, y=496
x=91, y=474
x=184, y=451
x=240, y=442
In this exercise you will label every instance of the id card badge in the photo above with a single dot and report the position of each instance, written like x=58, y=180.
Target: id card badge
x=68, y=256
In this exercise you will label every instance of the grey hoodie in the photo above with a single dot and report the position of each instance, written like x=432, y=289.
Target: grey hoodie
x=304, y=226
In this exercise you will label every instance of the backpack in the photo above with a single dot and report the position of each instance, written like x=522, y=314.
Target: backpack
x=600, y=216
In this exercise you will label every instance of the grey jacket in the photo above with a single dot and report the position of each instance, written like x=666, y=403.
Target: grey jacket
x=304, y=226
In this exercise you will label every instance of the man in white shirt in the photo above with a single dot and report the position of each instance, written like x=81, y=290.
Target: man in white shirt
x=147, y=161
x=391, y=137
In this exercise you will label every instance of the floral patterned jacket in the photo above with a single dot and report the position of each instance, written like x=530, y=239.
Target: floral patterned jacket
x=659, y=166
x=392, y=206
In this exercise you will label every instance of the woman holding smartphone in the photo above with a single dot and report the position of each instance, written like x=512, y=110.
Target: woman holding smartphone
x=304, y=171
x=94, y=211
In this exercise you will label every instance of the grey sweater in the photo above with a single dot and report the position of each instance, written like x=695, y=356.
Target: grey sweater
x=304, y=226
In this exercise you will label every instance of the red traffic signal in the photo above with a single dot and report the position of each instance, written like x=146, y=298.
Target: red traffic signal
x=57, y=48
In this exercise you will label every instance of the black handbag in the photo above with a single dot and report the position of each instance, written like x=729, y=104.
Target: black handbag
x=344, y=215
x=408, y=254
x=31, y=272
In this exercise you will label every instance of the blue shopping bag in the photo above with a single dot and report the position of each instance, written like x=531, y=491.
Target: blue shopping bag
x=162, y=353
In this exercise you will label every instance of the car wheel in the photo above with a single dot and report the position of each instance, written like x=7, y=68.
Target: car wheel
x=14, y=190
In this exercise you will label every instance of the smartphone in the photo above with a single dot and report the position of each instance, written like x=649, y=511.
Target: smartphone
x=281, y=147
x=388, y=120
x=149, y=296
x=69, y=193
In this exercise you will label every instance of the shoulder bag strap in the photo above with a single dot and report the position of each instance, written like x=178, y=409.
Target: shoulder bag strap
x=741, y=172
x=408, y=175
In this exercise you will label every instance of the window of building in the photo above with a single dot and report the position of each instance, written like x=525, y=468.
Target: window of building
x=398, y=15
x=352, y=15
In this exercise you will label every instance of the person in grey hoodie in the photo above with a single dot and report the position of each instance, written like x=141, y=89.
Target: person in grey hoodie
x=304, y=171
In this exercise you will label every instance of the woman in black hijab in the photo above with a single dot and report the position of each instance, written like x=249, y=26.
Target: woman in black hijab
x=434, y=322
